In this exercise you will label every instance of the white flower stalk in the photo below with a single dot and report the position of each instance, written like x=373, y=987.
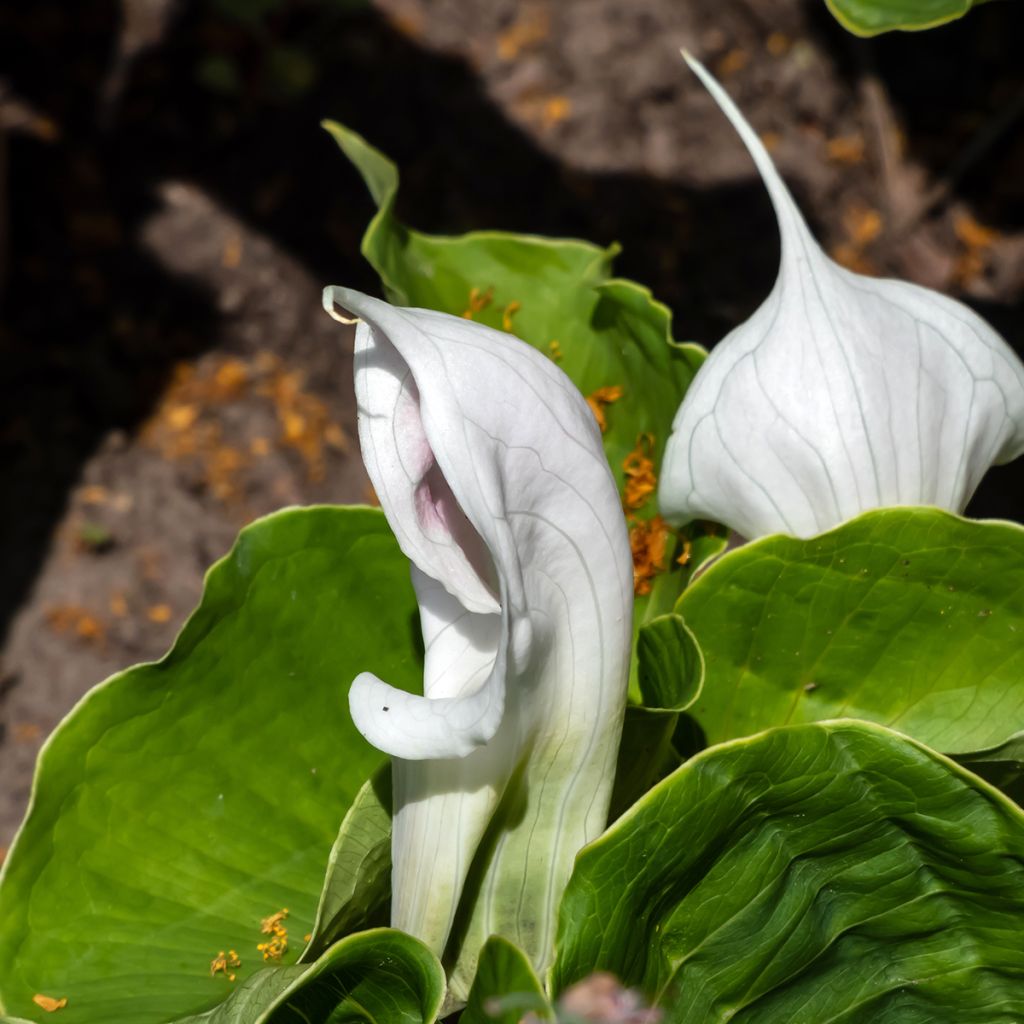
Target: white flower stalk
x=842, y=393
x=489, y=467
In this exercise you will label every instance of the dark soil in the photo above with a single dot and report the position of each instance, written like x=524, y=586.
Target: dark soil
x=170, y=210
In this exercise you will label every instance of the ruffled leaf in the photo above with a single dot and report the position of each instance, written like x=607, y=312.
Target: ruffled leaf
x=872, y=17
x=833, y=872
x=373, y=977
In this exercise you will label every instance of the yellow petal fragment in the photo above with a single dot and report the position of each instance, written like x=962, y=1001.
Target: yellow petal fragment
x=647, y=539
x=639, y=469
x=530, y=28
x=224, y=963
x=159, y=613
x=48, y=1003
x=478, y=301
x=510, y=311
x=269, y=924
x=278, y=944
x=601, y=398
x=846, y=149
x=973, y=234
x=274, y=949
x=684, y=558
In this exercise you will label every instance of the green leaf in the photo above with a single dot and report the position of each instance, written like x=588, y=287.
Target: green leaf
x=183, y=801
x=358, y=884
x=646, y=755
x=913, y=618
x=671, y=665
x=609, y=332
x=671, y=675
x=375, y=976
x=505, y=988
x=830, y=872
x=872, y=17
x=250, y=1000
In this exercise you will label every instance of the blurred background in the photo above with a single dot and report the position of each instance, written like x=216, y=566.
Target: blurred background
x=170, y=210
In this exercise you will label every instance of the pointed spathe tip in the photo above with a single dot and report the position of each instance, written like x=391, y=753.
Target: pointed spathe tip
x=710, y=83
x=785, y=207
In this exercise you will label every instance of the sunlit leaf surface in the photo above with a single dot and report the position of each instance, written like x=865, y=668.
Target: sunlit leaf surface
x=913, y=618
x=183, y=802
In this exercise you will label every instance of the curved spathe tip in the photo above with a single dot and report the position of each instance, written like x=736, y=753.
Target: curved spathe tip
x=417, y=728
x=332, y=302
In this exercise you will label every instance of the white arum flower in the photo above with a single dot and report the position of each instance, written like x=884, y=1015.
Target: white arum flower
x=489, y=467
x=842, y=393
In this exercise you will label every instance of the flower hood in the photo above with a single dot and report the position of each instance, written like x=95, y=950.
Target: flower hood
x=489, y=467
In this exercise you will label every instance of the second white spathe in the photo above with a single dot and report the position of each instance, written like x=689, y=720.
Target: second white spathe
x=842, y=393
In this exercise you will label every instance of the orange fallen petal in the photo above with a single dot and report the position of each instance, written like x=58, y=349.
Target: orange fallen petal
x=599, y=399
x=48, y=1003
x=159, y=613
x=639, y=469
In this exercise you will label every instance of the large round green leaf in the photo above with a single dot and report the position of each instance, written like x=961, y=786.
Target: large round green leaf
x=183, y=801
x=375, y=977
x=913, y=618
x=872, y=17
x=832, y=872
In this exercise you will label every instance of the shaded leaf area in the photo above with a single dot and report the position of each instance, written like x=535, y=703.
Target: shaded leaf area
x=647, y=754
x=610, y=336
x=913, y=618
x=182, y=802
x=357, y=887
x=872, y=17
x=671, y=666
x=827, y=872
x=670, y=674
x=506, y=988
x=371, y=977
x=1002, y=765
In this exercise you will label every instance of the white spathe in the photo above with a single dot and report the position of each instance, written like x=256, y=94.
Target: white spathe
x=489, y=467
x=842, y=393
